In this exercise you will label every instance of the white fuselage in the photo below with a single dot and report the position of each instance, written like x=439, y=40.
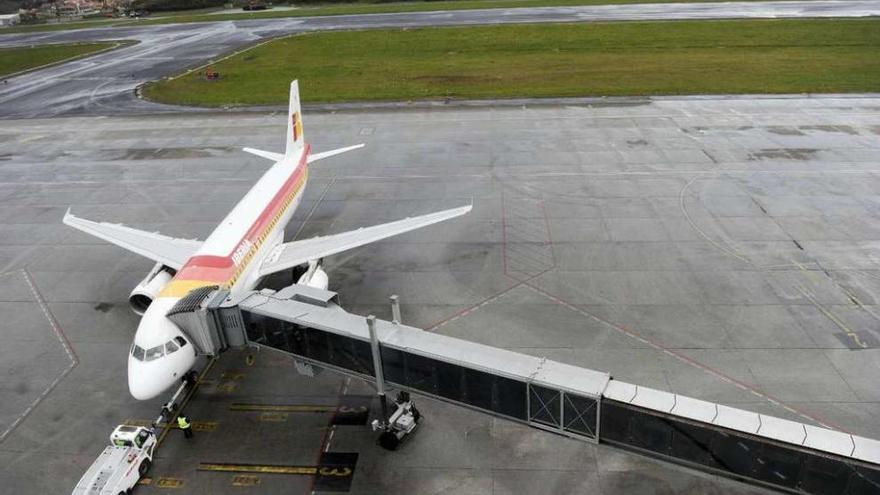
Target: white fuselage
x=229, y=258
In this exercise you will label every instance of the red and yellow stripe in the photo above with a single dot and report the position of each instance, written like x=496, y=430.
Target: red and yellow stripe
x=206, y=270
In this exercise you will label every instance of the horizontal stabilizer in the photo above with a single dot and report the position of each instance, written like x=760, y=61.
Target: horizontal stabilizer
x=275, y=157
x=327, y=154
x=169, y=251
x=291, y=254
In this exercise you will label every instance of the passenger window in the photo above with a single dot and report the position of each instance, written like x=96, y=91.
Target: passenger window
x=170, y=347
x=180, y=340
x=154, y=353
x=137, y=352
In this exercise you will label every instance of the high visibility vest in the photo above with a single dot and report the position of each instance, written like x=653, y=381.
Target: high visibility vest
x=182, y=422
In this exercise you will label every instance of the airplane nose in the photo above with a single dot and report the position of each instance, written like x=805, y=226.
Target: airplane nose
x=143, y=385
x=148, y=379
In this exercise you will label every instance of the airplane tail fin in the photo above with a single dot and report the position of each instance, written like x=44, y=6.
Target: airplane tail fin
x=295, y=139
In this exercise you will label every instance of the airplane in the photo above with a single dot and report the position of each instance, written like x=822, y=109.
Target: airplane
x=245, y=247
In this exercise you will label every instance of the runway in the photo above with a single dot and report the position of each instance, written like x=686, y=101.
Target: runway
x=104, y=84
x=736, y=238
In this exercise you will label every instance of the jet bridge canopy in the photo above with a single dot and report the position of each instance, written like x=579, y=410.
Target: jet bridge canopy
x=540, y=392
x=308, y=324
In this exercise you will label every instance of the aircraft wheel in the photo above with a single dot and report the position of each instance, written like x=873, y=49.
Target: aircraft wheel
x=144, y=467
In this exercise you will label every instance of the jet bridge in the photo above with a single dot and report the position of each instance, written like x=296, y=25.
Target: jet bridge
x=309, y=325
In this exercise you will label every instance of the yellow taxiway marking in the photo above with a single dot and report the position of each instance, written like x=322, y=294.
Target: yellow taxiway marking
x=245, y=480
x=834, y=319
x=287, y=408
x=273, y=417
x=196, y=425
x=257, y=468
x=31, y=138
x=169, y=483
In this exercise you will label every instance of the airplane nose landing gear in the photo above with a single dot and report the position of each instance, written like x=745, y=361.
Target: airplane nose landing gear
x=402, y=422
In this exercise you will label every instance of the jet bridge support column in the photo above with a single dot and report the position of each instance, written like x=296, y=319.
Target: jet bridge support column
x=395, y=309
x=377, y=365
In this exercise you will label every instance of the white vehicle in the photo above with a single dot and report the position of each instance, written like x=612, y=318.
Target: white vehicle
x=122, y=464
x=246, y=246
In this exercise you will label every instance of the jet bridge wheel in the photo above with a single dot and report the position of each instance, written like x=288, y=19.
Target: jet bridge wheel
x=389, y=441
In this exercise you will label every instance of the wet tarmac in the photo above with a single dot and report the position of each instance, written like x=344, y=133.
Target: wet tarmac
x=739, y=234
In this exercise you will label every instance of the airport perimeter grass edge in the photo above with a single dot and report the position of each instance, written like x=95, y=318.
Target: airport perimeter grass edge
x=20, y=59
x=543, y=60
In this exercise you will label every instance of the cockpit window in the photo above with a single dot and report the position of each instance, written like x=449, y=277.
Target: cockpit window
x=180, y=340
x=155, y=353
x=170, y=347
x=137, y=352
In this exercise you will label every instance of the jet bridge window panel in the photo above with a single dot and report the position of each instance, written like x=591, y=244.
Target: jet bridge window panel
x=544, y=406
x=420, y=373
x=824, y=475
x=864, y=481
x=510, y=397
x=457, y=383
x=734, y=453
x=479, y=388
x=777, y=465
x=579, y=414
x=325, y=347
x=693, y=443
x=737, y=455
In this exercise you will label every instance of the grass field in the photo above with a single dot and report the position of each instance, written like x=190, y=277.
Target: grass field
x=18, y=59
x=330, y=9
x=638, y=58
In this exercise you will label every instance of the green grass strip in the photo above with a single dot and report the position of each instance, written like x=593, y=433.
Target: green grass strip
x=593, y=59
x=14, y=60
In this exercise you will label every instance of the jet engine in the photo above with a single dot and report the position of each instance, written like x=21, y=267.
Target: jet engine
x=147, y=290
x=315, y=276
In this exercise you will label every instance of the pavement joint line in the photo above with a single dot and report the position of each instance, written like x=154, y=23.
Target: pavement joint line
x=845, y=290
x=471, y=309
x=74, y=360
x=505, y=263
x=831, y=316
x=345, y=383
x=687, y=360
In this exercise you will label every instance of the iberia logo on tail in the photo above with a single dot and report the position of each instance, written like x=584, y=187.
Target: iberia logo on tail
x=297, y=126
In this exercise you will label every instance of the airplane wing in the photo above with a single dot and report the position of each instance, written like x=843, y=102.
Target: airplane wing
x=291, y=254
x=169, y=251
x=277, y=157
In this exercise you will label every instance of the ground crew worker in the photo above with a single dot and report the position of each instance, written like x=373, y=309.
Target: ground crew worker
x=185, y=425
